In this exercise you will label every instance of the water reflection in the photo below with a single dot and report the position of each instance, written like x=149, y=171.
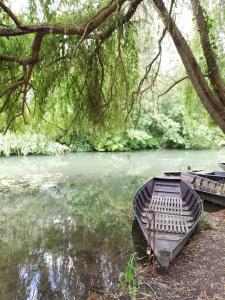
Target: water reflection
x=139, y=241
x=61, y=242
x=70, y=267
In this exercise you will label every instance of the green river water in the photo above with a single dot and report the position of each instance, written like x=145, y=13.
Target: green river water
x=66, y=221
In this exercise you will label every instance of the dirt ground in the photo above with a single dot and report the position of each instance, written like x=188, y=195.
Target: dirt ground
x=198, y=273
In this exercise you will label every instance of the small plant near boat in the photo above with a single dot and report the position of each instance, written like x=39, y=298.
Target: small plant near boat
x=128, y=281
x=205, y=223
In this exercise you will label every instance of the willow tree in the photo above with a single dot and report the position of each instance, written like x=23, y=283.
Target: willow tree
x=81, y=61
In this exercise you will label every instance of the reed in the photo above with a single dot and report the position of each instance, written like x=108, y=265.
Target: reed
x=128, y=281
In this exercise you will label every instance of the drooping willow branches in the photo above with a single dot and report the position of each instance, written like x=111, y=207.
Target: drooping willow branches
x=76, y=58
x=81, y=69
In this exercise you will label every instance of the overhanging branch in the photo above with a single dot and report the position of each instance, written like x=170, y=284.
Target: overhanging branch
x=65, y=29
x=124, y=19
x=173, y=85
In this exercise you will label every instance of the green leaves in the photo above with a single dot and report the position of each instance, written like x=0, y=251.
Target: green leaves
x=128, y=281
x=128, y=141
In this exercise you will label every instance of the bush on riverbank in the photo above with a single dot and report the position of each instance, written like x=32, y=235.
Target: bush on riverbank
x=155, y=132
x=29, y=143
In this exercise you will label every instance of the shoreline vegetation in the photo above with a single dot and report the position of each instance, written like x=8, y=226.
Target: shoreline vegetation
x=31, y=143
x=158, y=131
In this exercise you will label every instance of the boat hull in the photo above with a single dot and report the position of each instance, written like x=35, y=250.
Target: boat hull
x=167, y=211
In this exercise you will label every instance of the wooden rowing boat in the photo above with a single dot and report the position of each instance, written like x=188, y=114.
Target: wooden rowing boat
x=208, y=189
x=216, y=175
x=167, y=211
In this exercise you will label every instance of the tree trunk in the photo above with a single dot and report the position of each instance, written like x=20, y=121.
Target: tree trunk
x=213, y=68
x=210, y=101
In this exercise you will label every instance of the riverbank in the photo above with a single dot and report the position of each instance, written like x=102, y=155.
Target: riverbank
x=198, y=273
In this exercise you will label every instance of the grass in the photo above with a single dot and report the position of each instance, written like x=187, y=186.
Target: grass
x=128, y=281
x=205, y=223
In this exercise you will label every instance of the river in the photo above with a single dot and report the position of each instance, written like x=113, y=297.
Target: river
x=66, y=221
